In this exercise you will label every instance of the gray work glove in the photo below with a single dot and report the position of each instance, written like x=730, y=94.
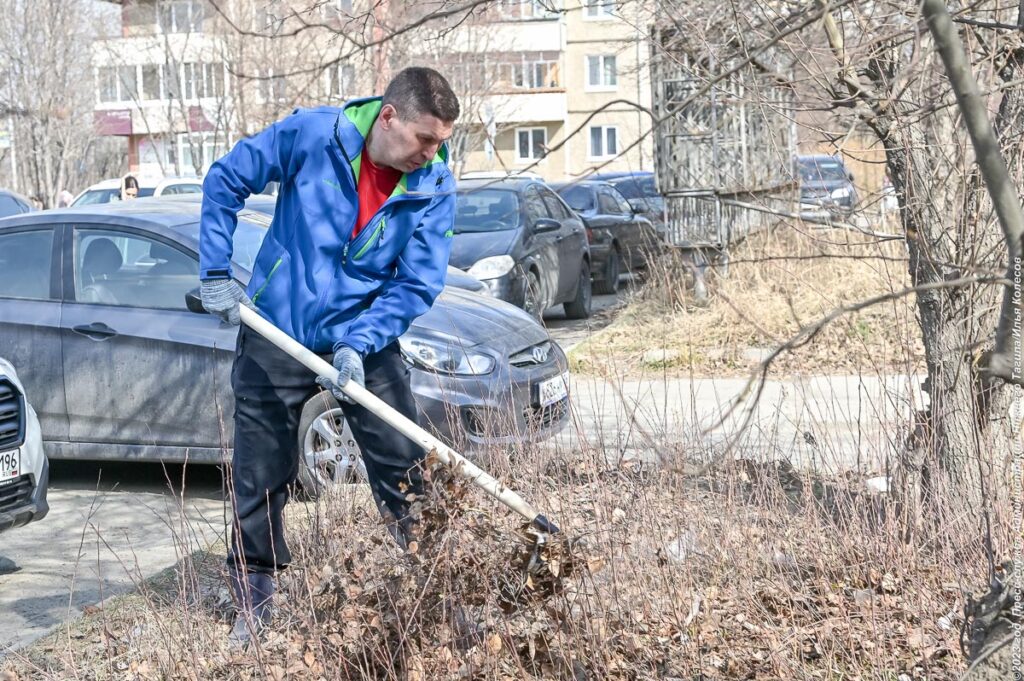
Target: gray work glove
x=221, y=298
x=350, y=368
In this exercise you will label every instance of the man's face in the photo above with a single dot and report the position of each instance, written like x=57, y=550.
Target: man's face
x=409, y=144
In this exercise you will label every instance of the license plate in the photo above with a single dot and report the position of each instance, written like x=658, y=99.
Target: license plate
x=10, y=466
x=553, y=389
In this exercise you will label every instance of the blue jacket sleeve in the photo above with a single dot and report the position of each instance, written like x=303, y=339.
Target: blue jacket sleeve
x=419, y=277
x=246, y=169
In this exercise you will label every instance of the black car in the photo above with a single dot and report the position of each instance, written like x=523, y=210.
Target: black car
x=641, y=191
x=13, y=204
x=620, y=239
x=524, y=243
x=826, y=187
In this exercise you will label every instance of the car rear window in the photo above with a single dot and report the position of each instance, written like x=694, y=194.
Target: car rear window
x=636, y=187
x=25, y=262
x=95, y=196
x=821, y=170
x=578, y=197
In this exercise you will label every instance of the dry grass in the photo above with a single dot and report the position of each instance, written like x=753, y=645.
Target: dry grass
x=738, y=570
x=778, y=282
x=692, y=565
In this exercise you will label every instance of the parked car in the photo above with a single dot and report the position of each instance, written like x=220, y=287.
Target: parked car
x=24, y=470
x=12, y=203
x=641, y=191
x=522, y=240
x=99, y=307
x=826, y=187
x=620, y=239
x=110, y=190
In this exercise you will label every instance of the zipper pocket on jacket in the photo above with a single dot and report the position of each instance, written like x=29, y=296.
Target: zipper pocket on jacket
x=375, y=237
x=267, y=280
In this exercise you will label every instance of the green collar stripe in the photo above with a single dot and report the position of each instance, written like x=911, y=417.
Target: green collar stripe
x=363, y=117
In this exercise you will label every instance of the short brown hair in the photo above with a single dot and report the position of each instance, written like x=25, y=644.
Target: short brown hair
x=418, y=90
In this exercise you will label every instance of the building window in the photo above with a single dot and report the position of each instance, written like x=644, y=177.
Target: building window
x=273, y=88
x=340, y=79
x=191, y=75
x=151, y=82
x=598, y=9
x=172, y=81
x=527, y=9
x=106, y=79
x=601, y=72
x=531, y=144
x=180, y=16
x=535, y=74
x=213, y=80
x=128, y=81
x=604, y=141
x=205, y=147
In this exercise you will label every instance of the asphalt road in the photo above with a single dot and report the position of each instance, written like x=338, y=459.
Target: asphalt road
x=110, y=526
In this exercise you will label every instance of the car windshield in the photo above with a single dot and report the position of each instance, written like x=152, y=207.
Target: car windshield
x=486, y=210
x=821, y=170
x=579, y=198
x=636, y=187
x=107, y=195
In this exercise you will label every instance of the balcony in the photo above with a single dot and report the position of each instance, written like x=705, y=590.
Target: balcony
x=526, y=107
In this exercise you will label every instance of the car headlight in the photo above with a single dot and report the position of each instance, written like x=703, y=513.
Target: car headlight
x=447, y=358
x=493, y=267
x=840, y=193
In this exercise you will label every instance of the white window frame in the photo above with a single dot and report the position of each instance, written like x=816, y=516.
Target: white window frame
x=513, y=10
x=600, y=87
x=344, y=76
x=599, y=10
x=604, y=156
x=194, y=10
x=531, y=130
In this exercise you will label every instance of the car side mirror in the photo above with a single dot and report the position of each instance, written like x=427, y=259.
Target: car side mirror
x=544, y=225
x=193, y=302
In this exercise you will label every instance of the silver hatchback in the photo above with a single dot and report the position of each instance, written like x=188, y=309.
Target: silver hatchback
x=98, y=309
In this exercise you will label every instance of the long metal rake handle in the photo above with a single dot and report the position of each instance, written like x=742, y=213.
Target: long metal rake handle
x=448, y=456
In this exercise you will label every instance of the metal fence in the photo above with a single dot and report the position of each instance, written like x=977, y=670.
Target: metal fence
x=720, y=148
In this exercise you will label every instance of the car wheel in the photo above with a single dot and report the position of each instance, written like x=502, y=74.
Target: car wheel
x=328, y=453
x=532, y=297
x=579, y=307
x=612, y=269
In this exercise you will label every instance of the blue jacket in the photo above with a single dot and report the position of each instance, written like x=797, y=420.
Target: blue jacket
x=311, y=278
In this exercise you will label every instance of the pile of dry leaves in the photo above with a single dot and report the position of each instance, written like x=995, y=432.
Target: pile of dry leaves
x=669, y=575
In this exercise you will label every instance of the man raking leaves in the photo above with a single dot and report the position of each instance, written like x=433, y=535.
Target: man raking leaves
x=358, y=249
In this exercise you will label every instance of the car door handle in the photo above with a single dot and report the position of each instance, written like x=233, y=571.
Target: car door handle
x=96, y=330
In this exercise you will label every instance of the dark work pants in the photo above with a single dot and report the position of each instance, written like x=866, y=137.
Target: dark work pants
x=270, y=390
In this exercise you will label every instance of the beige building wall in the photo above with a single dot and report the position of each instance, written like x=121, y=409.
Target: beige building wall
x=553, y=46
x=617, y=35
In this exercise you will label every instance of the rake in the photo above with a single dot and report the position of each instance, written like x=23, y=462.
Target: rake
x=539, y=524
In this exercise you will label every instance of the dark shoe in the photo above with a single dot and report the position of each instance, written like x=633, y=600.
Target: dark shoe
x=254, y=594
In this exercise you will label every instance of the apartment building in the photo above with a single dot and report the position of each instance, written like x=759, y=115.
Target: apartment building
x=184, y=79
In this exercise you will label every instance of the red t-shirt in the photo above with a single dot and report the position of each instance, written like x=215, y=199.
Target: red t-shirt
x=375, y=186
